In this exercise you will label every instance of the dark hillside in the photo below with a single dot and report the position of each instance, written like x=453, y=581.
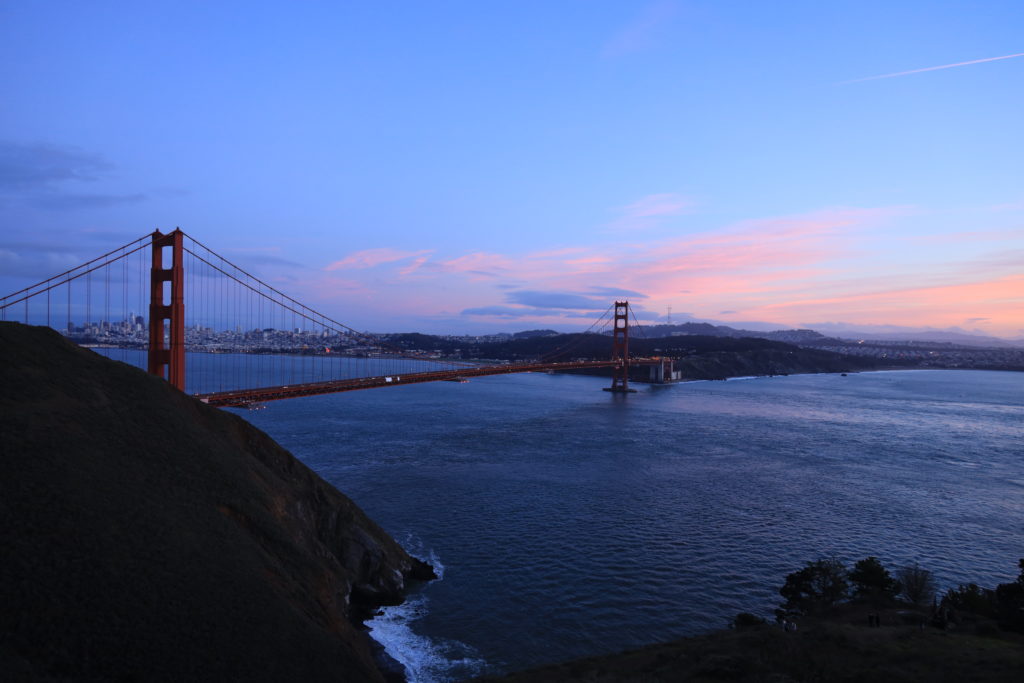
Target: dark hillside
x=146, y=536
x=838, y=647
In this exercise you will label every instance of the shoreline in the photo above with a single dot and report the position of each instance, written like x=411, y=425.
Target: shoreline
x=895, y=368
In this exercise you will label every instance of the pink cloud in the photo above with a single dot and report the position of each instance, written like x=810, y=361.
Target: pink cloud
x=749, y=255
x=414, y=266
x=478, y=263
x=972, y=236
x=368, y=258
x=555, y=253
x=1000, y=300
x=821, y=265
x=667, y=204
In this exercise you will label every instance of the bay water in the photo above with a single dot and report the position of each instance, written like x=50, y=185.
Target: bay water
x=567, y=521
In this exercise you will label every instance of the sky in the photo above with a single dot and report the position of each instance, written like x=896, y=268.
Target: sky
x=475, y=167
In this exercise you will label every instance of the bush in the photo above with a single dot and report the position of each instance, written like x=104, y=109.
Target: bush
x=970, y=598
x=818, y=586
x=746, y=620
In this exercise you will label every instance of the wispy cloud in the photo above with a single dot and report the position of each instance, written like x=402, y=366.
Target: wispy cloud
x=416, y=264
x=566, y=300
x=40, y=174
x=617, y=292
x=368, y=258
x=41, y=165
x=509, y=312
x=478, y=265
x=70, y=202
x=648, y=211
x=263, y=256
x=35, y=256
x=933, y=68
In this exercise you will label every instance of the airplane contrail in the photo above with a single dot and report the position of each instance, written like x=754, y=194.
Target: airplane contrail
x=933, y=68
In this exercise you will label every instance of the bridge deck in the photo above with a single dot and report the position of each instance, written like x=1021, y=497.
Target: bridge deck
x=246, y=397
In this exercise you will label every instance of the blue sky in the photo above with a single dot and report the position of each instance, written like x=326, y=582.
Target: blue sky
x=468, y=166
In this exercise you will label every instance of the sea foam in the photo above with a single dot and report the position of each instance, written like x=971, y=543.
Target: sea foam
x=426, y=660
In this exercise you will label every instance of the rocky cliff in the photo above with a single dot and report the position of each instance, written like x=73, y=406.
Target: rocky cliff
x=146, y=536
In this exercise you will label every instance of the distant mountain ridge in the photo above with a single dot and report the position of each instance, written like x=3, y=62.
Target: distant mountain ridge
x=808, y=336
x=940, y=337
x=709, y=330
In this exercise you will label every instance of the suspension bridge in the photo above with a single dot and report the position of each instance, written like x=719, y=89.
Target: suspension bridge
x=171, y=305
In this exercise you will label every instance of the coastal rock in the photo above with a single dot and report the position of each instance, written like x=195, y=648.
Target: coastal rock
x=149, y=536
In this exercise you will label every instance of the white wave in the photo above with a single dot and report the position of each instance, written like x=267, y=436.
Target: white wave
x=434, y=561
x=426, y=660
x=415, y=547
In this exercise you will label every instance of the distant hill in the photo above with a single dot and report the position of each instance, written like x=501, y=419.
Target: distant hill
x=147, y=536
x=529, y=334
x=709, y=330
x=937, y=336
x=813, y=337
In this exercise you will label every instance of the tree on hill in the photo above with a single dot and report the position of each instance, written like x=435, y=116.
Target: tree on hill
x=917, y=585
x=1005, y=603
x=872, y=581
x=816, y=587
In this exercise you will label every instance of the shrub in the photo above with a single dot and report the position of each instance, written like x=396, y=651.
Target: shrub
x=746, y=620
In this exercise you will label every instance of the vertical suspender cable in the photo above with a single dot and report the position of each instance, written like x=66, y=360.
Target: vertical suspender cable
x=106, y=297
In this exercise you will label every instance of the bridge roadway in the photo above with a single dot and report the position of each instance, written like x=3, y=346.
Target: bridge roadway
x=245, y=397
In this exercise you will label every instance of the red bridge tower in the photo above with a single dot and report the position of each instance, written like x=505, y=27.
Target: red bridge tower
x=620, y=350
x=167, y=356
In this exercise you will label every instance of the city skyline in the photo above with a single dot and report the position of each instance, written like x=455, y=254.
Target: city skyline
x=464, y=169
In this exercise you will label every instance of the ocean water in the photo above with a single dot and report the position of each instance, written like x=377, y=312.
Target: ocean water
x=568, y=521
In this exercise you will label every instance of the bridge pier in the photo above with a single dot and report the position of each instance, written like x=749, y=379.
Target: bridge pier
x=664, y=372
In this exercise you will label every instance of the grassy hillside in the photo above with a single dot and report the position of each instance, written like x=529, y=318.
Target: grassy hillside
x=839, y=646
x=147, y=536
